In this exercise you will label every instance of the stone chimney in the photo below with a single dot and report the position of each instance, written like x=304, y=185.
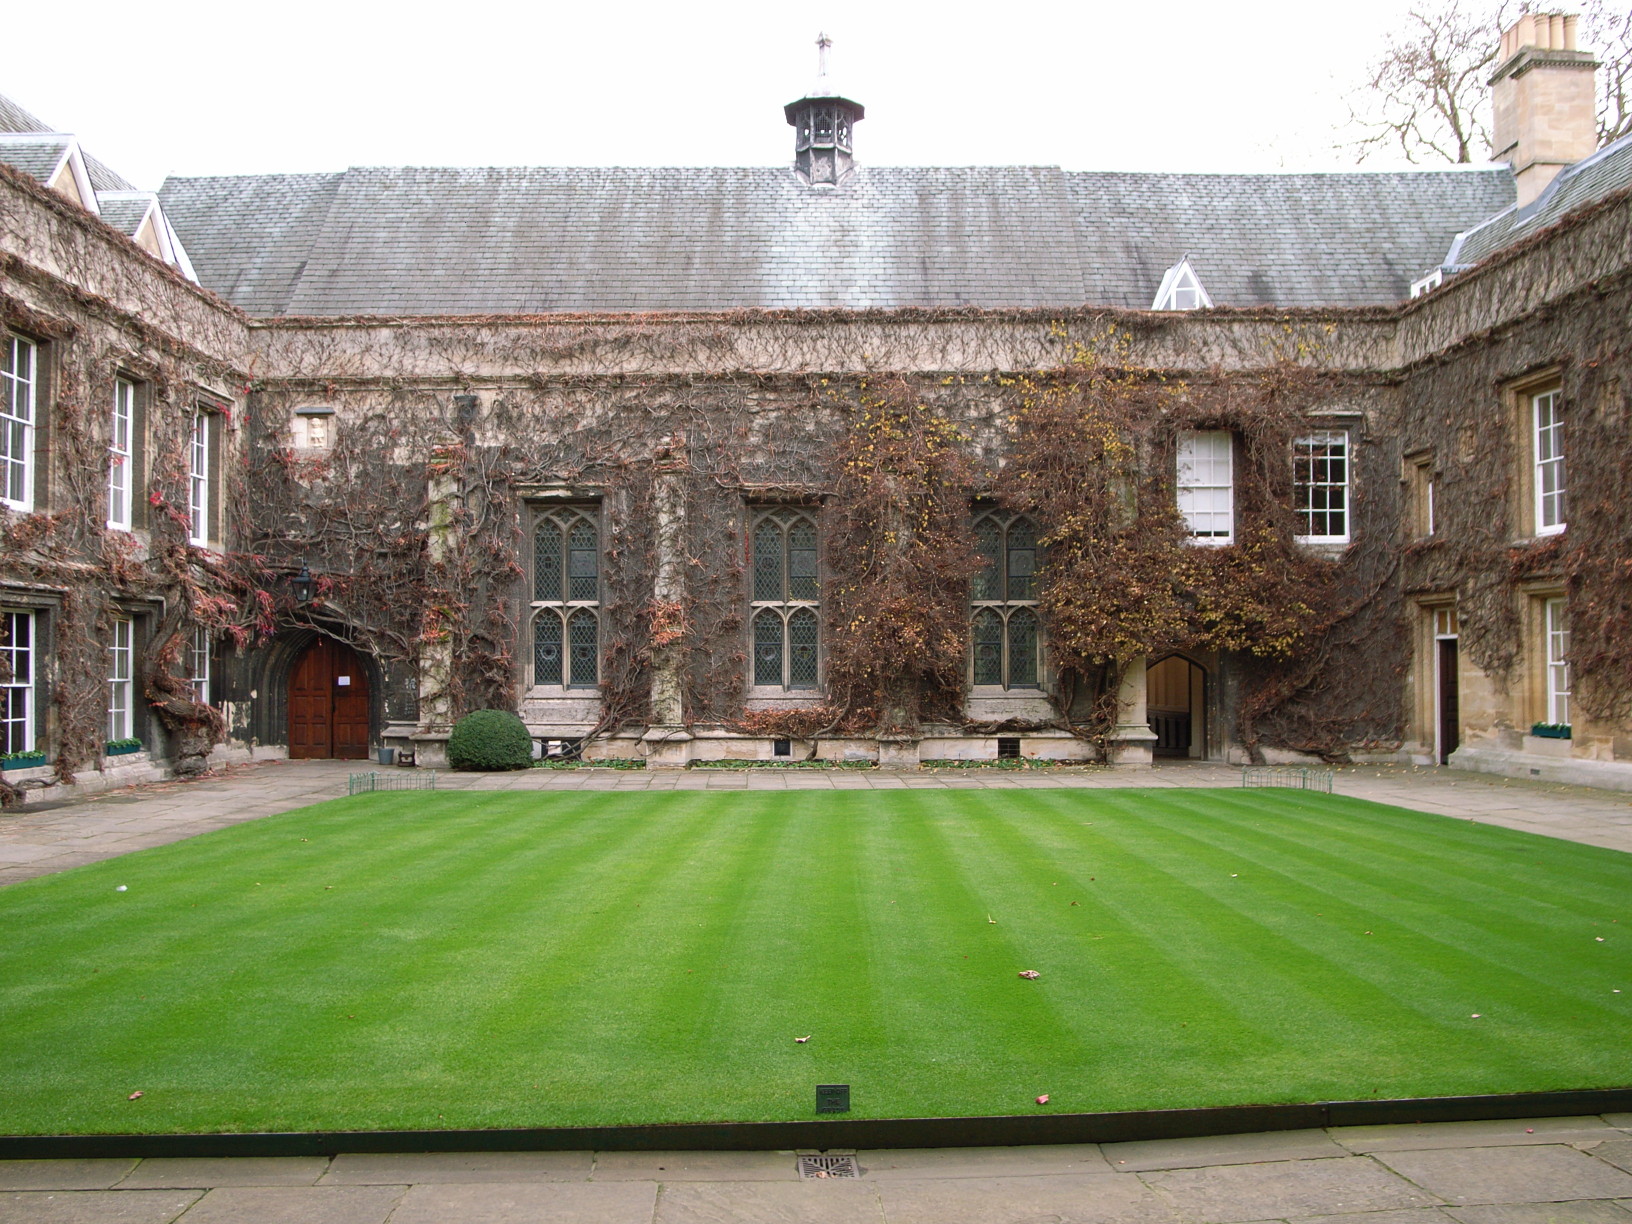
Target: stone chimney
x=1544, y=99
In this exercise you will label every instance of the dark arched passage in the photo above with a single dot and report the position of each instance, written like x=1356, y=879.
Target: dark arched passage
x=1176, y=701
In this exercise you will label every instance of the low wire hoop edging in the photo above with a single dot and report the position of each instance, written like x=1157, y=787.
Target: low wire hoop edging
x=851, y=1134
x=408, y=779
x=1293, y=777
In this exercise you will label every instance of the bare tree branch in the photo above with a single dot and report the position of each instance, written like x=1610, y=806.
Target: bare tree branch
x=1427, y=96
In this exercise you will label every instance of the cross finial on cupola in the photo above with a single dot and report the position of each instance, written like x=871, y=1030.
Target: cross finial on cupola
x=823, y=121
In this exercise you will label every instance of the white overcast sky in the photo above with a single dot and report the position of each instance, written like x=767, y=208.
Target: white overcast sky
x=191, y=87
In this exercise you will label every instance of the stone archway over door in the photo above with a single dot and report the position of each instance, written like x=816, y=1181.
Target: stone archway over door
x=328, y=703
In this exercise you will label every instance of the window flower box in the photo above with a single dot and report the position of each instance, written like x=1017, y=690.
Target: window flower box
x=122, y=747
x=22, y=760
x=1551, y=730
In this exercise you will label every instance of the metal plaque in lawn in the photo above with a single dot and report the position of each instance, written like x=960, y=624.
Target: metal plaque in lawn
x=832, y=1098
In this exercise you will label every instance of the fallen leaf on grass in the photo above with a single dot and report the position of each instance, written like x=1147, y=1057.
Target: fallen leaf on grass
x=1030, y=974
x=135, y=1096
x=1043, y=1100
x=800, y=1040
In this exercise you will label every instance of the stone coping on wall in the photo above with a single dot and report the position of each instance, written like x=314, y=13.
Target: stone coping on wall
x=1572, y=771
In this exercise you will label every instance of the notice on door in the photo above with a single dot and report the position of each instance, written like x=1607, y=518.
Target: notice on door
x=343, y=681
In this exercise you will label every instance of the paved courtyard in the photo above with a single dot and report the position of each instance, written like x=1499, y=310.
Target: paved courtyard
x=1536, y=1171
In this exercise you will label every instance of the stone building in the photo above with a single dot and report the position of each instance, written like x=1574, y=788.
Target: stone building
x=315, y=463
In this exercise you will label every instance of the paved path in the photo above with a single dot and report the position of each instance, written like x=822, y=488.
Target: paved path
x=39, y=841
x=1540, y=1171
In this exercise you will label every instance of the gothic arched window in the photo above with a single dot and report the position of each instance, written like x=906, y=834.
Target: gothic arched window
x=1005, y=643
x=786, y=627
x=566, y=598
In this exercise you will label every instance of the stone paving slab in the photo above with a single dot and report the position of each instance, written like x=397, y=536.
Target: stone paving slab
x=169, y=1172
x=1116, y=1198
x=404, y=1168
x=296, y=1205
x=1417, y=1215
x=1406, y=1137
x=695, y=1166
x=1579, y=1212
x=1220, y=1150
x=528, y=1203
x=1228, y=1193
x=63, y=1174
x=97, y=1206
x=894, y=1164
x=1617, y=1152
x=821, y=1202
x=1510, y=1174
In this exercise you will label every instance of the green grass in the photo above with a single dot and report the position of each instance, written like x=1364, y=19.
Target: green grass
x=557, y=959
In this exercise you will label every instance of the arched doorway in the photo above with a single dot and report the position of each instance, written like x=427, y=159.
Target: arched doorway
x=1176, y=700
x=328, y=703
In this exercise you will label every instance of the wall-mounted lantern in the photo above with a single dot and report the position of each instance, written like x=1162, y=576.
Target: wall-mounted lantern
x=303, y=584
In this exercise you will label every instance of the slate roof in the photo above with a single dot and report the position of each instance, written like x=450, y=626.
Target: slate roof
x=125, y=212
x=34, y=156
x=14, y=118
x=432, y=241
x=1576, y=186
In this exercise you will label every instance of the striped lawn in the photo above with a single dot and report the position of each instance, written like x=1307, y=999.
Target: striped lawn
x=556, y=959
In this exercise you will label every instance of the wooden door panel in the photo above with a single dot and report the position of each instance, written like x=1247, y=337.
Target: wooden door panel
x=328, y=704
x=309, y=704
x=350, y=708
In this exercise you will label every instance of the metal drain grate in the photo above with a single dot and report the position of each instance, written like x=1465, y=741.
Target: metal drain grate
x=828, y=1166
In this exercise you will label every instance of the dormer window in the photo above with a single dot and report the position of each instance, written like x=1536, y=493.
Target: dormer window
x=1181, y=289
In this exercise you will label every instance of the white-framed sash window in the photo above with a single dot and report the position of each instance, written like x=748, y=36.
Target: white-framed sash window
x=1206, y=485
x=1557, y=629
x=17, y=662
x=121, y=685
x=19, y=393
x=121, y=473
x=1547, y=428
x=198, y=665
x=1320, y=486
x=198, y=480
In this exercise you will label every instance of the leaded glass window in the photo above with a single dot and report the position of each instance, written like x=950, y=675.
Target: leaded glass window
x=567, y=598
x=1004, y=638
x=786, y=625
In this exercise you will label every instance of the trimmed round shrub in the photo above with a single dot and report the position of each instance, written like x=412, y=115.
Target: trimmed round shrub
x=490, y=739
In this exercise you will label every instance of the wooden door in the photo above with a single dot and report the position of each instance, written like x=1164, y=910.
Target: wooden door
x=328, y=704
